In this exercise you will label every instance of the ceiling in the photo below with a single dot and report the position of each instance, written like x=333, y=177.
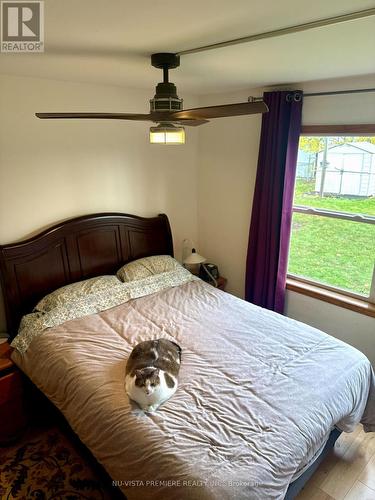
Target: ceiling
x=110, y=42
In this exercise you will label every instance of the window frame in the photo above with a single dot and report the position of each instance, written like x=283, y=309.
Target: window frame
x=300, y=284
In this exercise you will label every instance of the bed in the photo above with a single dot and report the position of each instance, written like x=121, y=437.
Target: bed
x=260, y=398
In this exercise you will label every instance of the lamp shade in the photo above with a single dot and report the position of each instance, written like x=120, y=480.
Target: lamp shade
x=194, y=258
x=167, y=133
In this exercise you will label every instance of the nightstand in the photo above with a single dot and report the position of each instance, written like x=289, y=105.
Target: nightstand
x=221, y=282
x=12, y=413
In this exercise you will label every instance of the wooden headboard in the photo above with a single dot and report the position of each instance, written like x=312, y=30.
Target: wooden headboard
x=74, y=250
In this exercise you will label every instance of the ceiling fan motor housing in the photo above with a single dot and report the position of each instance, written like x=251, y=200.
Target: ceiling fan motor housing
x=166, y=98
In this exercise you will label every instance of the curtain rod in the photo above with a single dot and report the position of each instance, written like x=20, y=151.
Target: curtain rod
x=284, y=31
x=339, y=92
x=316, y=94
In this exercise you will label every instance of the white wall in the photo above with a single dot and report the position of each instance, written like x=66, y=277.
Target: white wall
x=228, y=155
x=53, y=170
x=228, y=152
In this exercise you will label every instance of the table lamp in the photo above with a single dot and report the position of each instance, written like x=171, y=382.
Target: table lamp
x=194, y=259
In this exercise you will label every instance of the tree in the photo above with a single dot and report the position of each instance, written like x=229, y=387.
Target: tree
x=315, y=144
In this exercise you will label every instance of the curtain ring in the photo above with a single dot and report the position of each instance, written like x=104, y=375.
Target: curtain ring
x=295, y=96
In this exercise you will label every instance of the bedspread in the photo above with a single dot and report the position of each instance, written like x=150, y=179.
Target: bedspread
x=258, y=393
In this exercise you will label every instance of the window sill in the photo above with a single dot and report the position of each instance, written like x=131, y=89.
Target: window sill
x=336, y=298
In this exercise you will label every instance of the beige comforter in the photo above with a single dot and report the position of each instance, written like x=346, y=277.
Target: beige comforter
x=258, y=394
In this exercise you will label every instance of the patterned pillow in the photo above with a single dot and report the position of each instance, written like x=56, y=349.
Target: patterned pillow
x=62, y=296
x=148, y=266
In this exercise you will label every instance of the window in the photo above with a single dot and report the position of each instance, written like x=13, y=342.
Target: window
x=333, y=227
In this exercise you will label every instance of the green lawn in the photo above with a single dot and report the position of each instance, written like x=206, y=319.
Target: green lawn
x=303, y=196
x=336, y=252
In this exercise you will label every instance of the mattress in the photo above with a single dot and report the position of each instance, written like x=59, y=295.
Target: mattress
x=258, y=394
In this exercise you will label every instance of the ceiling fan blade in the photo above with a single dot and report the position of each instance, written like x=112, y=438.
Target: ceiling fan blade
x=109, y=116
x=154, y=117
x=241, y=108
x=191, y=123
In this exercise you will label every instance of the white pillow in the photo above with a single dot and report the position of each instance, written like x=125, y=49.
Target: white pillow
x=148, y=266
x=62, y=296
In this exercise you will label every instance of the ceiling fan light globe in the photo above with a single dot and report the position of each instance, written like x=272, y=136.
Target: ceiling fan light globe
x=167, y=134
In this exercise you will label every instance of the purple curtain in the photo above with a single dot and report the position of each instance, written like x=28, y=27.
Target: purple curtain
x=267, y=256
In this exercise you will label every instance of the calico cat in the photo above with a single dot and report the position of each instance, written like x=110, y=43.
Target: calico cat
x=151, y=372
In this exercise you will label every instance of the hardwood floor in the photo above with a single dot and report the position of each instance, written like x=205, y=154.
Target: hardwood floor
x=347, y=473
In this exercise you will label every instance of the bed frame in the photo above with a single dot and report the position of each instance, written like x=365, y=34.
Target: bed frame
x=74, y=250
x=82, y=248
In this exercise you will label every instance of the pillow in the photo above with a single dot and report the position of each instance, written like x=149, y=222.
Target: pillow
x=62, y=296
x=148, y=266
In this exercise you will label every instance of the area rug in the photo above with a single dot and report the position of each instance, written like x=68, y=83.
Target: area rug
x=46, y=465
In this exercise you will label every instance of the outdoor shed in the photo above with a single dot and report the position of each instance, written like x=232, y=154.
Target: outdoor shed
x=350, y=169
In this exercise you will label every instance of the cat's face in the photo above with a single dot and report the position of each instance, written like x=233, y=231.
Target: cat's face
x=147, y=379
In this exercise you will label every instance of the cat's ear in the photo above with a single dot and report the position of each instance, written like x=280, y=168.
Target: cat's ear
x=138, y=373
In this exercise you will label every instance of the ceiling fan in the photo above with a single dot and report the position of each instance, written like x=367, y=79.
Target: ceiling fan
x=166, y=108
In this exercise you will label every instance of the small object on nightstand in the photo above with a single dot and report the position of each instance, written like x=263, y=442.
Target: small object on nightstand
x=12, y=414
x=221, y=283
x=209, y=272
